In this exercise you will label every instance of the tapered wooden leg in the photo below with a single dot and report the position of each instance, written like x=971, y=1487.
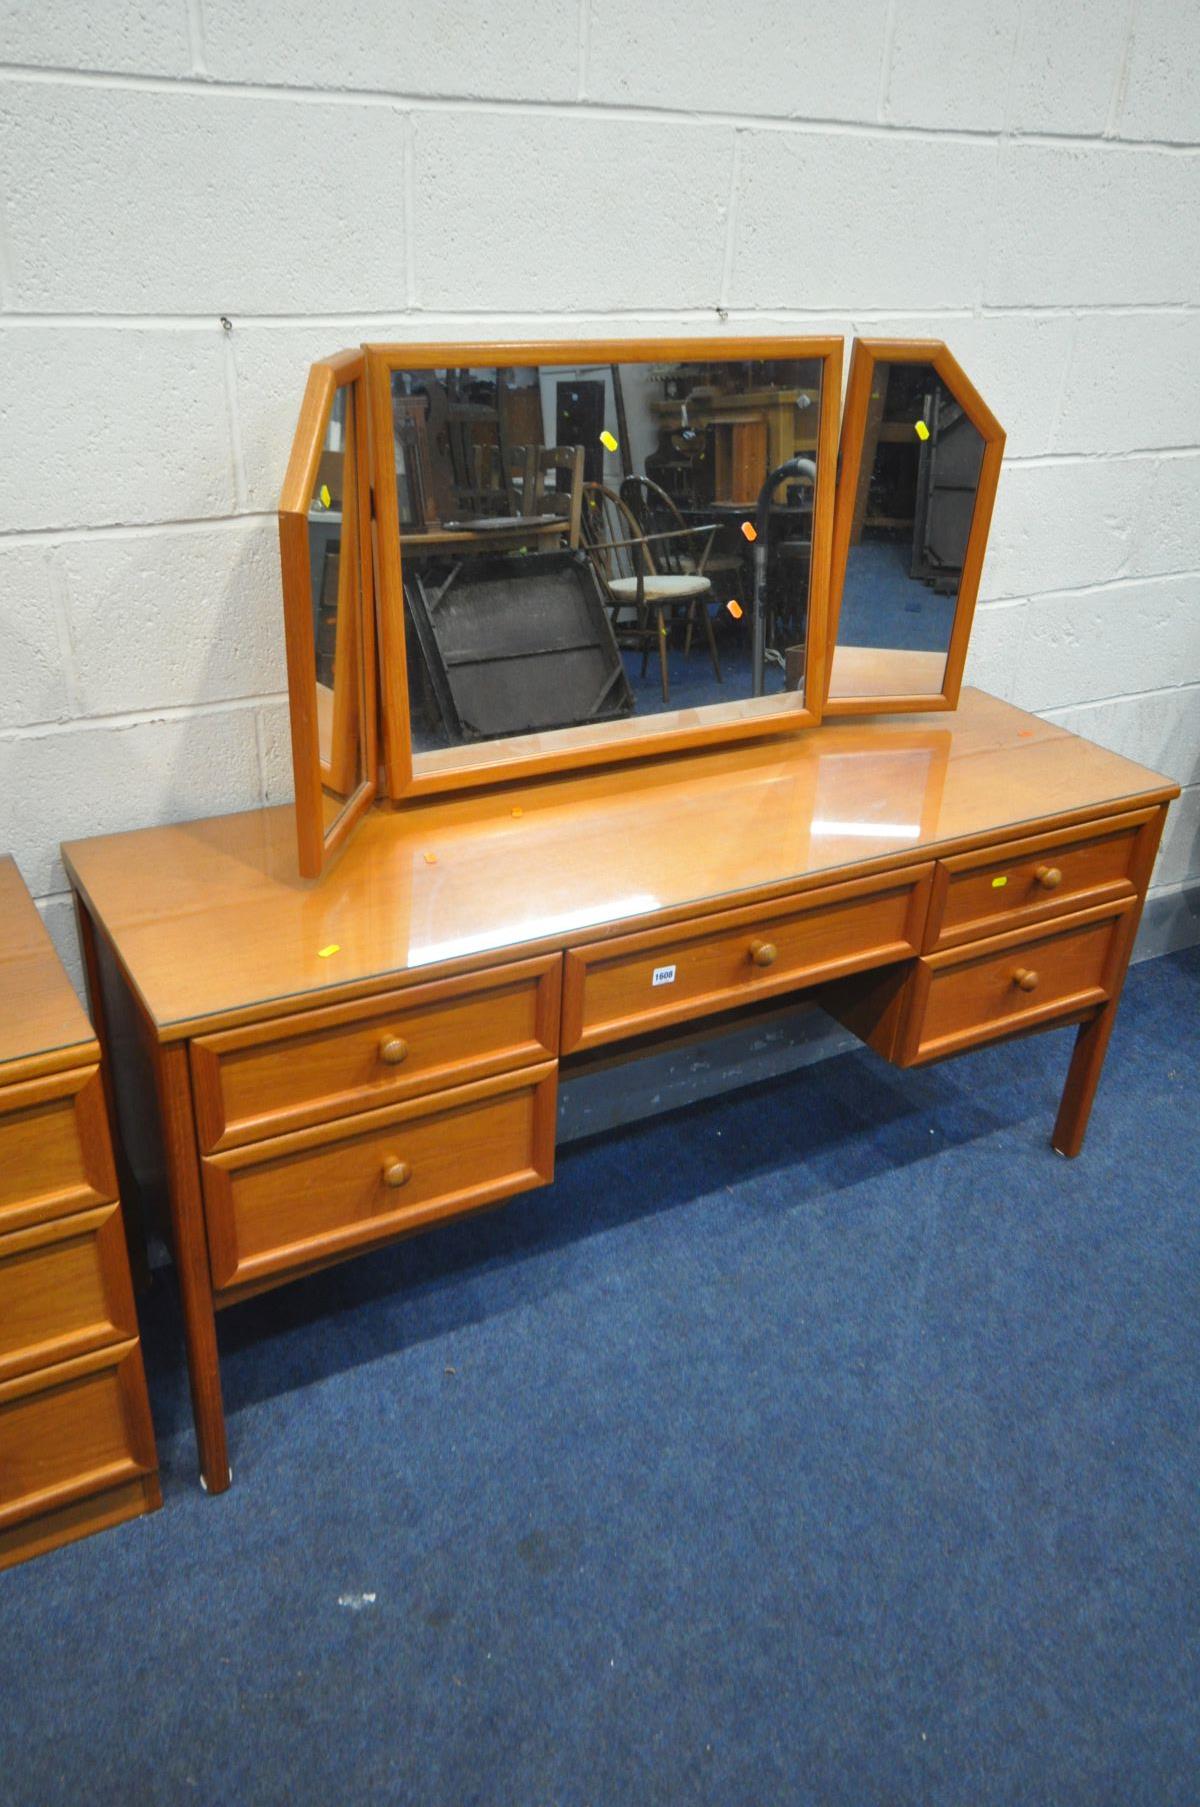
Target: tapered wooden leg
x=1091, y=1042
x=132, y=1212
x=1083, y=1076
x=191, y=1262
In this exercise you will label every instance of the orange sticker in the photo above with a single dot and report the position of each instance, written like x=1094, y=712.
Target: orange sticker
x=518, y=812
x=735, y=609
x=749, y=530
x=323, y=953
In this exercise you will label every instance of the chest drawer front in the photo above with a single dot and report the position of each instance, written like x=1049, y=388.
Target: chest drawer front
x=1016, y=981
x=303, y=1198
x=642, y=982
x=64, y=1290
x=54, y=1149
x=268, y=1079
x=72, y=1430
x=1032, y=880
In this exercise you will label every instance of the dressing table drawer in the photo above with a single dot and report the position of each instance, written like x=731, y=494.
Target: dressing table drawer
x=959, y=999
x=55, y=1156
x=319, y=1065
x=69, y=1432
x=641, y=982
x=64, y=1290
x=1028, y=881
x=301, y=1199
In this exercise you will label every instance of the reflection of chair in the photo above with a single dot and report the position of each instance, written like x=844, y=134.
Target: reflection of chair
x=658, y=512
x=528, y=468
x=628, y=570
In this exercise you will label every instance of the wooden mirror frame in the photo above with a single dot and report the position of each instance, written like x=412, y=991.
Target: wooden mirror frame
x=865, y=356
x=353, y=723
x=500, y=761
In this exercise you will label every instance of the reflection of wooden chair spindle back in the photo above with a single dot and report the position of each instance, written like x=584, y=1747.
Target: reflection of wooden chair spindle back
x=631, y=574
x=529, y=467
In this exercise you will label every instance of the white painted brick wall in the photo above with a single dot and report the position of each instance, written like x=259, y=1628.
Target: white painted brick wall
x=1020, y=177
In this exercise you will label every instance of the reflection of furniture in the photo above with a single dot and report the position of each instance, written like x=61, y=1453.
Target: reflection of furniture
x=313, y=1107
x=627, y=563
x=754, y=432
x=516, y=645
x=657, y=512
x=76, y=1443
x=528, y=468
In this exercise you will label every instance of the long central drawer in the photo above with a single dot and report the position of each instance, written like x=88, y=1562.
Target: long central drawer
x=663, y=976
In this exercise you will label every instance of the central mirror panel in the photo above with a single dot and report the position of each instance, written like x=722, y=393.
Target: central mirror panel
x=597, y=545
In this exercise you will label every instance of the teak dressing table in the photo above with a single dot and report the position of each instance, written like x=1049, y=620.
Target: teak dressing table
x=321, y=1064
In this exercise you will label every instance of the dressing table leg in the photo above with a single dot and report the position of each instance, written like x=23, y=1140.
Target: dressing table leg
x=1083, y=1076
x=1091, y=1041
x=191, y=1262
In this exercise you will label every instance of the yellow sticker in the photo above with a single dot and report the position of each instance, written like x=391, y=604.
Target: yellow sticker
x=735, y=609
x=326, y=498
x=608, y=440
x=430, y=859
x=518, y=812
x=922, y=430
x=323, y=953
x=998, y=882
x=749, y=530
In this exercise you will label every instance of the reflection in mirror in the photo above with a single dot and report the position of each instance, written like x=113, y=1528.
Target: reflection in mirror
x=335, y=574
x=591, y=543
x=912, y=512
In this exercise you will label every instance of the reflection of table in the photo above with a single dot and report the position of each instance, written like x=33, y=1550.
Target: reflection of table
x=496, y=535
x=754, y=430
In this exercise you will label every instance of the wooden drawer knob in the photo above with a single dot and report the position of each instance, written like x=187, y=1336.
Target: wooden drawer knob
x=764, y=953
x=392, y=1050
x=397, y=1173
x=1048, y=877
x=1026, y=979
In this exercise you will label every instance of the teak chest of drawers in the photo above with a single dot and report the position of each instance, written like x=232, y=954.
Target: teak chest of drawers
x=76, y=1443
x=340, y=1063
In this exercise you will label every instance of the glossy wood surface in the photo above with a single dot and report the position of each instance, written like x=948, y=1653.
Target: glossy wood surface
x=213, y=924
x=266, y=1080
x=336, y=1187
x=42, y=1024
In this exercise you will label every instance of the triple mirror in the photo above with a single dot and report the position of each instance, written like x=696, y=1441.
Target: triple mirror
x=573, y=554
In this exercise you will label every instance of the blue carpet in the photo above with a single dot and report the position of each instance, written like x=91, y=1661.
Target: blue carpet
x=837, y=1444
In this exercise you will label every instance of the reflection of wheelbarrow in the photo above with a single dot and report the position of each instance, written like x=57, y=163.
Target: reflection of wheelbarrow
x=805, y=470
